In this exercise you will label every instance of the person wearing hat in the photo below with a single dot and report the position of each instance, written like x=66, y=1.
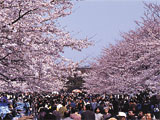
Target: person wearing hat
x=121, y=116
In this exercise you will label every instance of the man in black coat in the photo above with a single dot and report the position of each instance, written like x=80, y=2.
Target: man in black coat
x=88, y=114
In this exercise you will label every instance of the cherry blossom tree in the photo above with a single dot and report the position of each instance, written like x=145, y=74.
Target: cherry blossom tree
x=31, y=43
x=133, y=64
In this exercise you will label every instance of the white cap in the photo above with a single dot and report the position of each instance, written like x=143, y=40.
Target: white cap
x=122, y=114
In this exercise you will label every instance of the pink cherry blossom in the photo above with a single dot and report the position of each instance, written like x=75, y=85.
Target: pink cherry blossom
x=31, y=43
x=133, y=64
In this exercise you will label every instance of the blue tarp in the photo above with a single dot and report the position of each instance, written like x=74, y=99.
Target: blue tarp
x=4, y=98
x=4, y=109
x=20, y=106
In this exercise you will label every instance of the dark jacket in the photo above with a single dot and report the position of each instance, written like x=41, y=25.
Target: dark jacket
x=88, y=115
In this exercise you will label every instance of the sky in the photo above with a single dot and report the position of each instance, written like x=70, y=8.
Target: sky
x=102, y=21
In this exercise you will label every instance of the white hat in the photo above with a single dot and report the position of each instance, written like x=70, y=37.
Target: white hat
x=122, y=114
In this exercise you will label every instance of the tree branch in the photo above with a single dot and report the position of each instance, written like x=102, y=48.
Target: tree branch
x=6, y=78
x=5, y=56
x=3, y=37
x=21, y=16
x=2, y=2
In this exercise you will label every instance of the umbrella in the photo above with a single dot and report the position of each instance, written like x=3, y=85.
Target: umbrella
x=55, y=92
x=77, y=91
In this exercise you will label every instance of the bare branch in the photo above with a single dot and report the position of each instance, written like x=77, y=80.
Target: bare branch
x=5, y=56
x=4, y=37
x=1, y=2
x=6, y=78
x=21, y=16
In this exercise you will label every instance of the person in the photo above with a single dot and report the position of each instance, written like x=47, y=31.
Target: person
x=98, y=115
x=59, y=106
x=75, y=115
x=101, y=107
x=27, y=108
x=88, y=114
x=106, y=115
x=131, y=115
x=50, y=116
x=121, y=116
x=67, y=116
x=156, y=111
x=94, y=104
x=42, y=114
x=148, y=116
x=112, y=118
x=56, y=113
x=140, y=115
x=62, y=110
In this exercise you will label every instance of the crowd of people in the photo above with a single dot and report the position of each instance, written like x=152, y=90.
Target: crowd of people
x=82, y=106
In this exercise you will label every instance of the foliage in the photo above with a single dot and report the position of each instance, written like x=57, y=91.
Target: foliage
x=31, y=43
x=133, y=64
